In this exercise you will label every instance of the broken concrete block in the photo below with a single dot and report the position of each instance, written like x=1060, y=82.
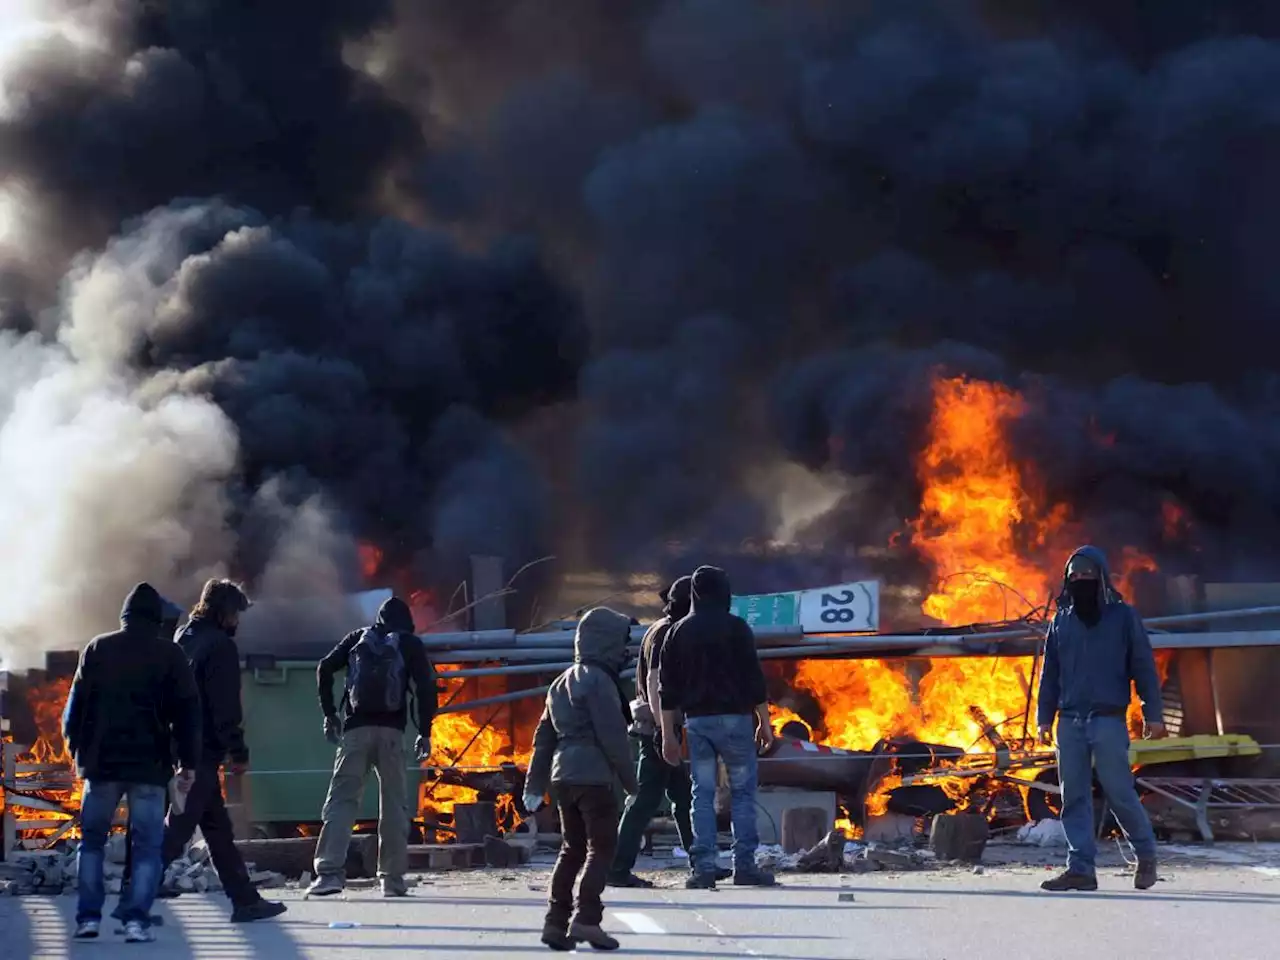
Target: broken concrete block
x=959, y=836
x=803, y=828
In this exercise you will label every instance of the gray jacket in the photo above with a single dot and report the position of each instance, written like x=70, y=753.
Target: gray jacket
x=1090, y=669
x=582, y=736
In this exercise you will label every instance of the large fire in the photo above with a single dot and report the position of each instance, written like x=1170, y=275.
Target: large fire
x=47, y=793
x=997, y=551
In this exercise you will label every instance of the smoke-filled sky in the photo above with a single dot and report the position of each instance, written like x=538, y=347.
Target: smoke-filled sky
x=487, y=278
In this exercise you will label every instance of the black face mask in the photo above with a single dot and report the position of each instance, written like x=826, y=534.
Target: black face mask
x=1085, y=599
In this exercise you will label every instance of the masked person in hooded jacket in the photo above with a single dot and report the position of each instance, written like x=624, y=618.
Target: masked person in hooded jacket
x=654, y=775
x=132, y=699
x=710, y=674
x=382, y=662
x=208, y=641
x=1095, y=649
x=581, y=750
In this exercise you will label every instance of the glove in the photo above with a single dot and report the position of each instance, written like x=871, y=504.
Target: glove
x=422, y=747
x=333, y=730
x=532, y=801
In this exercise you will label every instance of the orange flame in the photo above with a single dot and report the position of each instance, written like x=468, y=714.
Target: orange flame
x=996, y=551
x=49, y=751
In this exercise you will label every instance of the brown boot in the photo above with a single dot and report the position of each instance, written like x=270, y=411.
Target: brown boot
x=557, y=938
x=1145, y=878
x=592, y=934
x=1070, y=881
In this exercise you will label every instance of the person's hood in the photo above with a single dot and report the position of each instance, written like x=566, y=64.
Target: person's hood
x=394, y=616
x=602, y=638
x=710, y=589
x=677, y=598
x=143, y=605
x=1106, y=589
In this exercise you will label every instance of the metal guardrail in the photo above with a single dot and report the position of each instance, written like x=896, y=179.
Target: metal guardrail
x=1202, y=794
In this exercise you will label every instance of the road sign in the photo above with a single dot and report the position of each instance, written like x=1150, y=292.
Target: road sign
x=768, y=609
x=840, y=609
x=847, y=607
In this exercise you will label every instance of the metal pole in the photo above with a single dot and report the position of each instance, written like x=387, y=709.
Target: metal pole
x=510, y=697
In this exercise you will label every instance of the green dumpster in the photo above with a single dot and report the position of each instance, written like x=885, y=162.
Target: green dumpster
x=290, y=760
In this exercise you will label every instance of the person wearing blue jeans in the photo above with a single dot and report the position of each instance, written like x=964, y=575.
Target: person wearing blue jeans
x=1095, y=650
x=732, y=739
x=147, y=805
x=710, y=674
x=132, y=700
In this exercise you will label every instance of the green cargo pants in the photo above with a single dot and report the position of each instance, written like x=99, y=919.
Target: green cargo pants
x=362, y=749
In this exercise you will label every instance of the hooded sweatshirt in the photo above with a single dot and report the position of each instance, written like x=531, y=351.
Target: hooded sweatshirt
x=1088, y=668
x=132, y=699
x=393, y=617
x=582, y=736
x=709, y=664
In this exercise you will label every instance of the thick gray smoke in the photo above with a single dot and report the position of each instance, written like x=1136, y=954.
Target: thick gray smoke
x=471, y=278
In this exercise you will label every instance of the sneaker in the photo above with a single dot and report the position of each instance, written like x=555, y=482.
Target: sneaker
x=87, y=930
x=134, y=932
x=557, y=938
x=326, y=886
x=723, y=873
x=258, y=910
x=118, y=914
x=629, y=879
x=1070, y=881
x=1145, y=878
x=700, y=881
x=593, y=934
x=754, y=878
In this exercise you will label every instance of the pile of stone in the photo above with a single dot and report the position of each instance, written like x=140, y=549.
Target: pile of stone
x=47, y=872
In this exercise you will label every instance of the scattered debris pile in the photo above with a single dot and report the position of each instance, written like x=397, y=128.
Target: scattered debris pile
x=50, y=872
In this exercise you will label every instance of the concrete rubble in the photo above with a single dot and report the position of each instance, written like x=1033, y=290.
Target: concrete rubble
x=49, y=872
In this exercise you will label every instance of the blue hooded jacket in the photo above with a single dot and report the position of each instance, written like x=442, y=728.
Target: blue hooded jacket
x=1089, y=669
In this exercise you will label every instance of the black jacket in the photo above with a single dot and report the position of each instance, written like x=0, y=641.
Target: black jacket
x=709, y=665
x=394, y=616
x=133, y=698
x=215, y=662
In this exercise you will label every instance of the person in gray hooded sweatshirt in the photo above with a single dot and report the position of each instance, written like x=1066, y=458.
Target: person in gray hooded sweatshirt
x=1096, y=647
x=581, y=750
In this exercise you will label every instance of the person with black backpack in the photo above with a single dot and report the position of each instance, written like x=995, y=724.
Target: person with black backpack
x=381, y=662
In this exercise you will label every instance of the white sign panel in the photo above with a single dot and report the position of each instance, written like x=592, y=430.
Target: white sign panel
x=849, y=607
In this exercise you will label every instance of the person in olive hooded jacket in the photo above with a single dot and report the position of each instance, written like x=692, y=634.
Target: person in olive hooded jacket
x=581, y=748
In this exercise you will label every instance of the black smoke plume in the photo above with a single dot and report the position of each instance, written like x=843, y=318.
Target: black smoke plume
x=344, y=256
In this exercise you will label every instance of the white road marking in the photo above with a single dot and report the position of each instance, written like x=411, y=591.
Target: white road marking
x=639, y=922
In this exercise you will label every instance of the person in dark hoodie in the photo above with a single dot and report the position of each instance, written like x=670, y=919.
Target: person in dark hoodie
x=710, y=674
x=381, y=662
x=132, y=699
x=653, y=774
x=208, y=642
x=170, y=614
x=580, y=750
x=1095, y=649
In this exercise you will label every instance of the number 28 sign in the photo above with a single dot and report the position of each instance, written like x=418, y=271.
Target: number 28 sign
x=849, y=607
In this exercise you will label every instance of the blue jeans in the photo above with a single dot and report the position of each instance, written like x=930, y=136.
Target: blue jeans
x=1098, y=744
x=146, y=813
x=731, y=737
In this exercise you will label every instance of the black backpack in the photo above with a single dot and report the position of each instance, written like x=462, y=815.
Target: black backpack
x=377, y=681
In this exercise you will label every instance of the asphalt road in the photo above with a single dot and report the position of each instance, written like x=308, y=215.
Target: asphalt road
x=1199, y=910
